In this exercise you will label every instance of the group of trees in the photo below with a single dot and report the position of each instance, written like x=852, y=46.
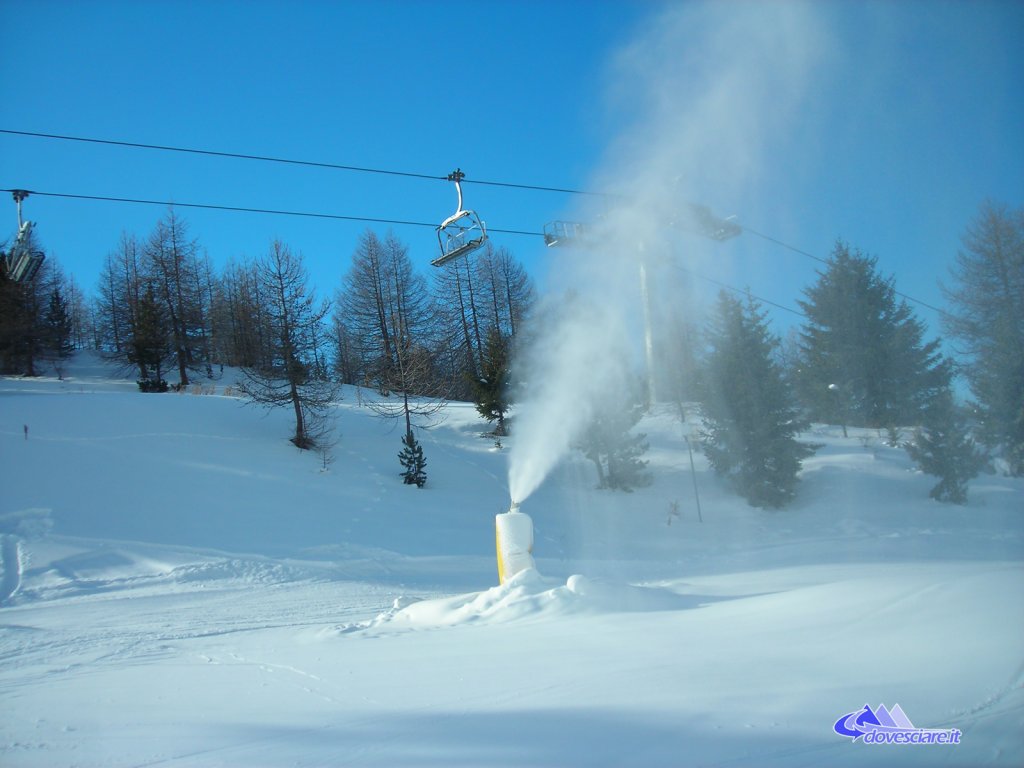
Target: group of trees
x=429, y=343
x=393, y=327
x=162, y=307
x=154, y=309
x=861, y=359
x=164, y=312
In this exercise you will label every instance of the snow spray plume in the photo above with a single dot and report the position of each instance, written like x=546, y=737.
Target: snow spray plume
x=708, y=88
x=574, y=362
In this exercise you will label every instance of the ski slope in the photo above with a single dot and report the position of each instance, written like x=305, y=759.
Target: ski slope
x=207, y=595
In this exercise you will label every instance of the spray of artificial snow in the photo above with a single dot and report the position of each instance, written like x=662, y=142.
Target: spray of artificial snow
x=708, y=89
x=575, y=362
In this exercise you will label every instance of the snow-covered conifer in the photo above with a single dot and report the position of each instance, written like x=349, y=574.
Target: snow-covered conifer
x=943, y=447
x=750, y=416
x=608, y=441
x=490, y=389
x=863, y=359
x=413, y=461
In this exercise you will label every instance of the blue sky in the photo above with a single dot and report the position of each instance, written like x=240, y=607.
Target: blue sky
x=891, y=126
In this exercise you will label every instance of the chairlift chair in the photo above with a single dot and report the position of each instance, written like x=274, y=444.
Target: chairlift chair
x=701, y=220
x=561, y=233
x=22, y=263
x=462, y=232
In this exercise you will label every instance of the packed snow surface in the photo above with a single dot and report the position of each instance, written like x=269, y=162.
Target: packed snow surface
x=188, y=589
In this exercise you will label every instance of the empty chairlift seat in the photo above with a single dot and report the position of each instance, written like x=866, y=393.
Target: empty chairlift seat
x=462, y=232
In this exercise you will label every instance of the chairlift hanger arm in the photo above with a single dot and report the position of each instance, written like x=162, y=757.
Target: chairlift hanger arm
x=19, y=195
x=457, y=176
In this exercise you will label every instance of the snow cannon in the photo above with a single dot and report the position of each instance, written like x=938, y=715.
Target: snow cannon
x=514, y=535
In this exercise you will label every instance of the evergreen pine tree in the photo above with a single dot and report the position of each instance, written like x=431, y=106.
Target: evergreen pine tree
x=15, y=326
x=943, y=447
x=490, y=389
x=863, y=360
x=151, y=343
x=22, y=320
x=750, y=417
x=607, y=441
x=57, y=325
x=412, y=459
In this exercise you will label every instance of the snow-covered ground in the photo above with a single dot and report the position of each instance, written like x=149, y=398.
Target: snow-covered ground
x=208, y=595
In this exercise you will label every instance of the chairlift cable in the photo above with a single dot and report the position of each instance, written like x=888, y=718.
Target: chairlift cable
x=409, y=174
x=291, y=161
x=270, y=211
x=402, y=222
x=539, y=188
x=372, y=220
x=820, y=260
x=216, y=153
x=741, y=291
x=793, y=248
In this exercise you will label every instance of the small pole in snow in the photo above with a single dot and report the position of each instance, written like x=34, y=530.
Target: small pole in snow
x=26, y=431
x=693, y=474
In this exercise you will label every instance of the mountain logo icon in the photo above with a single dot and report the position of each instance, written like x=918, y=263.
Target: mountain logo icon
x=890, y=726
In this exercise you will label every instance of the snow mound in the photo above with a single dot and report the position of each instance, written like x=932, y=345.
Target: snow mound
x=527, y=595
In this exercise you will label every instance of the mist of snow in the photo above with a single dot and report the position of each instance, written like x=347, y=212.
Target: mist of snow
x=707, y=89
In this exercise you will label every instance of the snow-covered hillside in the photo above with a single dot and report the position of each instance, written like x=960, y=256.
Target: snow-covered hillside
x=208, y=595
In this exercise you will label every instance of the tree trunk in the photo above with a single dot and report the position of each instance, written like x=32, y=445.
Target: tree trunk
x=473, y=311
x=470, y=357
x=300, y=425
